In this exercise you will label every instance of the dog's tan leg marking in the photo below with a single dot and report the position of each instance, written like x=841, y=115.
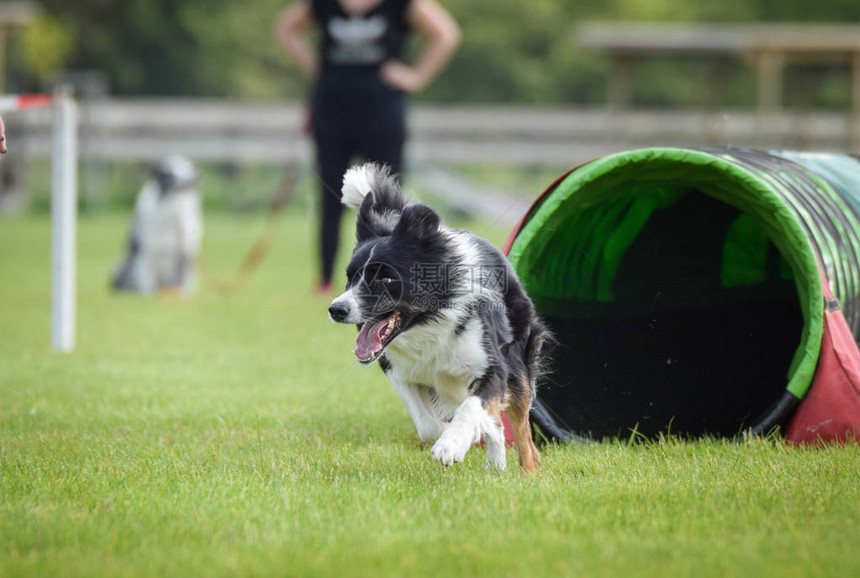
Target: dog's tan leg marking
x=518, y=410
x=494, y=410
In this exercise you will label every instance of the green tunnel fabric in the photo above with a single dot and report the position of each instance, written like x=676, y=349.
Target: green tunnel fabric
x=623, y=190
x=836, y=234
x=687, y=255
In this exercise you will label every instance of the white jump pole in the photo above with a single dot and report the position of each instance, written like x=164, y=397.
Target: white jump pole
x=64, y=210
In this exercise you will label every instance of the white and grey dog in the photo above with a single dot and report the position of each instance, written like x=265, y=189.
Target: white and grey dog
x=166, y=233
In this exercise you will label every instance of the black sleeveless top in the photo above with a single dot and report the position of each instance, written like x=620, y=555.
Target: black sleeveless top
x=368, y=39
x=349, y=90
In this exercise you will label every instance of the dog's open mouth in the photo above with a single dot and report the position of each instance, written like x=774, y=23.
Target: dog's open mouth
x=375, y=335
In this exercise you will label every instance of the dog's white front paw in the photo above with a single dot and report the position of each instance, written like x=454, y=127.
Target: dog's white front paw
x=451, y=448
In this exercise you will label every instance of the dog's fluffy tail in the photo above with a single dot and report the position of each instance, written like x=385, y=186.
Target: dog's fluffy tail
x=372, y=178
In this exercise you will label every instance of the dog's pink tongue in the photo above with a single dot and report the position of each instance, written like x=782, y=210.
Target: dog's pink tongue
x=369, y=340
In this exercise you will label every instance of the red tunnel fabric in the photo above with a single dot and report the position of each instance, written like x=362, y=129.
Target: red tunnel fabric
x=830, y=411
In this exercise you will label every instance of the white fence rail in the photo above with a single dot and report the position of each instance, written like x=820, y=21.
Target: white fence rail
x=264, y=131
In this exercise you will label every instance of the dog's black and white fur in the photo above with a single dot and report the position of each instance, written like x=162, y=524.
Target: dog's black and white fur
x=443, y=312
x=166, y=233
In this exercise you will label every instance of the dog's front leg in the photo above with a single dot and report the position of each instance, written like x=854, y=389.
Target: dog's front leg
x=418, y=404
x=463, y=431
x=475, y=417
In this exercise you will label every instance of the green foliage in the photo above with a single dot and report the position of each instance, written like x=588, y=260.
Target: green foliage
x=242, y=56
x=512, y=51
x=180, y=47
x=48, y=45
x=507, y=52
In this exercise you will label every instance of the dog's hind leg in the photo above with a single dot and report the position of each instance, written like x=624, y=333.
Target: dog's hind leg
x=518, y=411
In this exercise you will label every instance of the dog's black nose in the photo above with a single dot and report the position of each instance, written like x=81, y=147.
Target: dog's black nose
x=338, y=311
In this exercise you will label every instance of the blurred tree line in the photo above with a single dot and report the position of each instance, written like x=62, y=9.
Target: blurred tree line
x=512, y=51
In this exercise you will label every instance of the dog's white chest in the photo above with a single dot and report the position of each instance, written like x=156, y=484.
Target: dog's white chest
x=435, y=356
x=169, y=225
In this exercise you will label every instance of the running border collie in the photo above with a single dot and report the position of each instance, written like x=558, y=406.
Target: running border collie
x=446, y=317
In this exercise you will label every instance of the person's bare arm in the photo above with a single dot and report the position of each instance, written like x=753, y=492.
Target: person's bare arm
x=2, y=137
x=440, y=29
x=292, y=27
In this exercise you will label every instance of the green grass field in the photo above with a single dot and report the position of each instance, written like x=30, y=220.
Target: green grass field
x=234, y=435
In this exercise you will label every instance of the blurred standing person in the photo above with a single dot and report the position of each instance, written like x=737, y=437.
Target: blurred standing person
x=358, y=104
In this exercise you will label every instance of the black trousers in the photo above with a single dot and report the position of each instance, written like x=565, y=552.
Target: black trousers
x=336, y=148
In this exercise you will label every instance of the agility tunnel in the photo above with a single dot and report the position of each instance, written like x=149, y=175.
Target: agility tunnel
x=698, y=292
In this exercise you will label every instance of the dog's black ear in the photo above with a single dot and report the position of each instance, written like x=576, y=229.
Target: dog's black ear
x=419, y=223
